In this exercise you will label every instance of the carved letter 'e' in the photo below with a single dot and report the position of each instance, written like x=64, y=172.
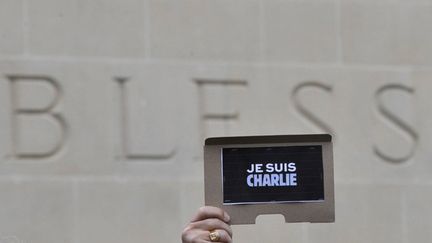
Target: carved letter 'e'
x=207, y=115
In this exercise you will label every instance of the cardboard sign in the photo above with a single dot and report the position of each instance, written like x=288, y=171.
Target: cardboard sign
x=290, y=175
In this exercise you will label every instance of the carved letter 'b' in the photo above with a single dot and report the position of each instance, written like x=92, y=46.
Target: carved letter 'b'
x=44, y=114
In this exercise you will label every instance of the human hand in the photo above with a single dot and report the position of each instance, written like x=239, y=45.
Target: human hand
x=210, y=224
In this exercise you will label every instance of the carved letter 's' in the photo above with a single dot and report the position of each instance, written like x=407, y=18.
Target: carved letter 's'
x=400, y=125
x=304, y=111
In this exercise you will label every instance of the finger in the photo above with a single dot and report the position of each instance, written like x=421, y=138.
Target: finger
x=203, y=236
x=211, y=212
x=195, y=235
x=224, y=237
x=212, y=224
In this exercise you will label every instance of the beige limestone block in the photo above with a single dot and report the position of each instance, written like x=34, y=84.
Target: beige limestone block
x=270, y=228
x=11, y=27
x=417, y=213
x=87, y=28
x=422, y=81
x=386, y=32
x=5, y=121
x=128, y=211
x=191, y=198
x=205, y=30
x=36, y=211
x=300, y=31
x=364, y=213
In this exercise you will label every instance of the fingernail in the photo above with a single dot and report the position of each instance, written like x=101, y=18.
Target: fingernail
x=227, y=217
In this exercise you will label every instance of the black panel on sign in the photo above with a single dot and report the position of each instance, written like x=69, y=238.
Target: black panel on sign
x=272, y=174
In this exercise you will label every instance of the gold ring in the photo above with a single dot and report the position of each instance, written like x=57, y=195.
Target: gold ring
x=214, y=236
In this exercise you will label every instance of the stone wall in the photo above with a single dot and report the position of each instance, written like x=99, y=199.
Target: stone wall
x=105, y=105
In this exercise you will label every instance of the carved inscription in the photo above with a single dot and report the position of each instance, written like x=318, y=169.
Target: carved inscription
x=304, y=111
x=45, y=114
x=214, y=104
x=126, y=130
x=397, y=123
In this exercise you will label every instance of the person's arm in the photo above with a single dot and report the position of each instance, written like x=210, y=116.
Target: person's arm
x=210, y=224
